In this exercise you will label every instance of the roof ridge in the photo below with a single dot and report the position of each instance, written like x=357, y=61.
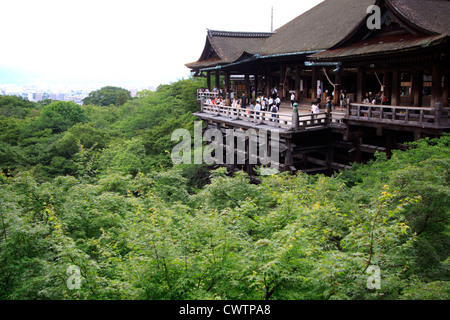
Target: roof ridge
x=239, y=34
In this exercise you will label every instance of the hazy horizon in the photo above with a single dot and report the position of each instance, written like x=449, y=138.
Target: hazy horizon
x=134, y=43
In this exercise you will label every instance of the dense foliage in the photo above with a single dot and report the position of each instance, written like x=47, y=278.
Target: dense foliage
x=107, y=96
x=94, y=188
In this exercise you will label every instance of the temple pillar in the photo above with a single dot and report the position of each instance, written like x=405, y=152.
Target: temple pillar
x=314, y=83
x=247, y=84
x=445, y=93
x=395, y=93
x=208, y=80
x=361, y=84
x=297, y=82
x=337, y=87
x=387, y=83
x=436, y=86
x=268, y=82
x=417, y=88
x=227, y=82
x=217, y=83
x=282, y=76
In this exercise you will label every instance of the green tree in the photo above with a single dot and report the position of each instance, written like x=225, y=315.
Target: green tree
x=107, y=96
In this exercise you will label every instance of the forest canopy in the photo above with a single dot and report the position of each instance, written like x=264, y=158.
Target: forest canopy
x=93, y=189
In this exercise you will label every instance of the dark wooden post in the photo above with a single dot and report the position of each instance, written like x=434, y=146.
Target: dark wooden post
x=314, y=83
x=417, y=88
x=282, y=74
x=395, y=94
x=361, y=84
x=387, y=81
x=256, y=85
x=268, y=81
x=247, y=84
x=337, y=87
x=297, y=82
x=227, y=82
x=217, y=80
x=208, y=80
x=436, y=85
x=446, y=90
x=437, y=113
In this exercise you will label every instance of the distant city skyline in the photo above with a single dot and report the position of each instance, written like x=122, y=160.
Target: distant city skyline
x=133, y=43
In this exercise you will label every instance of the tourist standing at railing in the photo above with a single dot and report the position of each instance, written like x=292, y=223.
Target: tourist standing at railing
x=257, y=109
x=263, y=104
x=244, y=101
x=329, y=105
x=274, y=92
x=234, y=104
x=315, y=107
x=292, y=99
x=278, y=102
x=274, y=111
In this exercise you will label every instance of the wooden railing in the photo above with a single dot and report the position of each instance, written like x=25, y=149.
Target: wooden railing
x=211, y=95
x=395, y=115
x=399, y=114
x=278, y=120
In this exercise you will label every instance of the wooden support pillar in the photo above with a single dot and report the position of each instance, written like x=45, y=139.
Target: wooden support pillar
x=337, y=87
x=217, y=84
x=387, y=82
x=330, y=156
x=247, y=84
x=227, y=82
x=289, y=157
x=436, y=86
x=256, y=86
x=297, y=82
x=391, y=142
x=395, y=93
x=314, y=83
x=361, y=85
x=445, y=93
x=282, y=76
x=208, y=80
x=268, y=82
x=417, y=88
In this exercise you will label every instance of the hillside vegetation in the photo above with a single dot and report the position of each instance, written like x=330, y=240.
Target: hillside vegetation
x=92, y=188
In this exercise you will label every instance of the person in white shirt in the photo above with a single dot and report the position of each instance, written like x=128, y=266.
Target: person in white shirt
x=257, y=109
x=315, y=107
x=292, y=99
x=278, y=102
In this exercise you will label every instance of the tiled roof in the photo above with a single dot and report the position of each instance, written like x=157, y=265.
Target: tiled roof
x=326, y=26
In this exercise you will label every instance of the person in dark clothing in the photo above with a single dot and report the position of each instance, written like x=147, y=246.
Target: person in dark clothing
x=244, y=101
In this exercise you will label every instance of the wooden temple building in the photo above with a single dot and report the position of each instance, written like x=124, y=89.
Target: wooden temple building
x=395, y=76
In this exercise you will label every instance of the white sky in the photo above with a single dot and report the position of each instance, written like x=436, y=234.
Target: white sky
x=124, y=42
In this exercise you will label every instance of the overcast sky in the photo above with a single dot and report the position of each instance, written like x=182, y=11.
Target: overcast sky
x=135, y=42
